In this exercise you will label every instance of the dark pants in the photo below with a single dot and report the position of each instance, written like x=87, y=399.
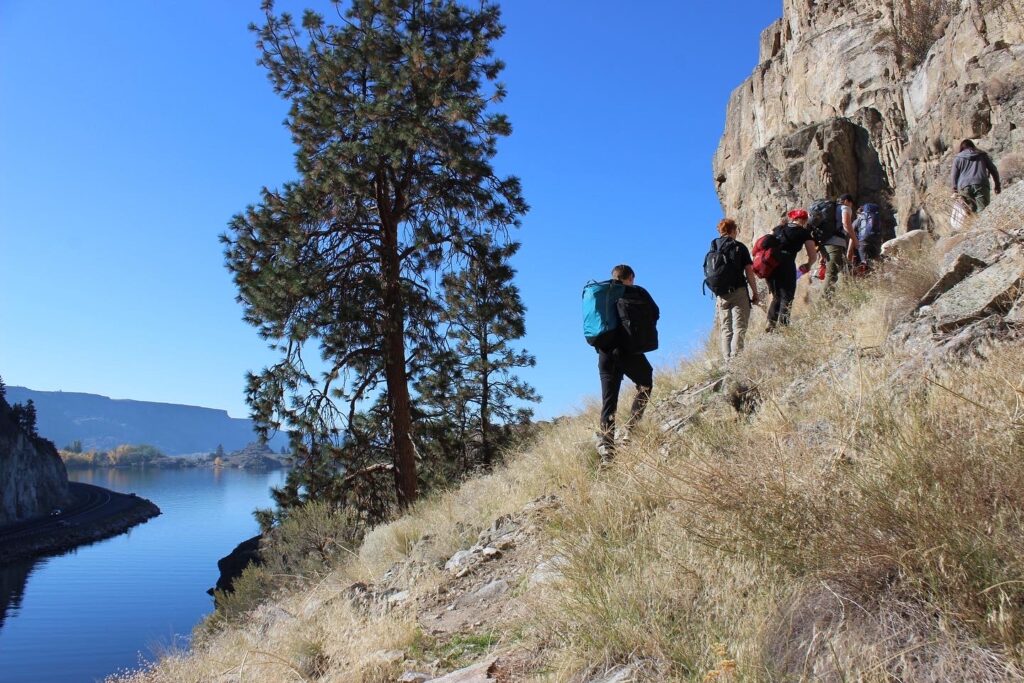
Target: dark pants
x=782, y=285
x=612, y=368
x=869, y=249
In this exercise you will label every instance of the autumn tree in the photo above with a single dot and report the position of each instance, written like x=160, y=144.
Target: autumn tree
x=390, y=112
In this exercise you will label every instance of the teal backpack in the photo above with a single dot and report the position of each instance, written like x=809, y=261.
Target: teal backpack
x=600, y=312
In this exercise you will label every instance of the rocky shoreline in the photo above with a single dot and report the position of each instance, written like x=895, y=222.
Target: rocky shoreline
x=56, y=541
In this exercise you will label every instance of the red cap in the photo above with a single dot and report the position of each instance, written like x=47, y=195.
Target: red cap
x=797, y=214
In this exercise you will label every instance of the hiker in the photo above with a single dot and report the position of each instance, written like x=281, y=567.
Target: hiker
x=791, y=238
x=868, y=228
x=624, y=357
x=971, y=171
x=841, y=249
x=729, y=273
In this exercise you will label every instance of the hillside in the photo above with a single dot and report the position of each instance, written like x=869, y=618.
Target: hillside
x=33, y=480
x=103, y=423
x=845, y=504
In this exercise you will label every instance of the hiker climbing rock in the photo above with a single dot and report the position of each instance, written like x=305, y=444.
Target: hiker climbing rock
x=620, y=322
x=729, y=274
x=971, y=171
x=841, y=256
x=868, y=228
x=831, y=226
x=789, y=240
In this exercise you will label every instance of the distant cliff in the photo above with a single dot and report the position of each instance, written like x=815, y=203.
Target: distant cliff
x=872, y=98
x=33, y=480
x=104, y=423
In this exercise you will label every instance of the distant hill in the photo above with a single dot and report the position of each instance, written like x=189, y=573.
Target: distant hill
x=104, y=423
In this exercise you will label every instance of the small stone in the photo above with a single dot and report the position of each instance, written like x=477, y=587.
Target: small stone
x=398, y=597
x=414, y=677
x=459, y=559
x=389, y=656
x=491, y=553
x=620, y=674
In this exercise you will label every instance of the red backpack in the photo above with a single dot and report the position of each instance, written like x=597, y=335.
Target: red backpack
x=766, y=256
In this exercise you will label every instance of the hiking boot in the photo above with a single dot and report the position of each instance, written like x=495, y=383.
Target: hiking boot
x=605, y=443
x=623, y=436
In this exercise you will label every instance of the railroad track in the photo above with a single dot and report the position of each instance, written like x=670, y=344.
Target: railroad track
x=90, y=503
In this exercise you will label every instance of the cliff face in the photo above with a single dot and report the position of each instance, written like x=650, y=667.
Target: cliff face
x=837, y=105
x=32, y=476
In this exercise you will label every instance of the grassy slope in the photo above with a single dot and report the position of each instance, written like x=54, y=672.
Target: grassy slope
x=864, y=523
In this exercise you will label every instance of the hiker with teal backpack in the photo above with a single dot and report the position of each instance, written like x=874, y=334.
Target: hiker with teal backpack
x=620, y=321
x=729, y=274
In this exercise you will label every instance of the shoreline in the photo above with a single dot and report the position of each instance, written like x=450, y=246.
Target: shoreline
x=56, y=536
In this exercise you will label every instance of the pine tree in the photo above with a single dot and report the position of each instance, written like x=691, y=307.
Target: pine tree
x=3, y=389
x=27, y=417
x=389, y=111
x=219, y=453
x=485, y=314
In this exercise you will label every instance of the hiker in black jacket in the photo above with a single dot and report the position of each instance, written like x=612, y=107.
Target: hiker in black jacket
x=792, y=237
x=971, y=171
x=619, y=361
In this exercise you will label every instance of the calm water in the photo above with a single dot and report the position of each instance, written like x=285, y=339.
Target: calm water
x=109, y=606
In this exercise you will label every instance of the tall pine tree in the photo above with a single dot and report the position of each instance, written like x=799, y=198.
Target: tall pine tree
x=390, y=114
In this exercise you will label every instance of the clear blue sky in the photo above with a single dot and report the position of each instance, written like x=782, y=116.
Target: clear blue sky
x=130, y=132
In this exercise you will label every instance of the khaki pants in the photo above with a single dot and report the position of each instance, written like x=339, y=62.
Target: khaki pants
x=836, y=264
x=733, y=312
x=977, y=197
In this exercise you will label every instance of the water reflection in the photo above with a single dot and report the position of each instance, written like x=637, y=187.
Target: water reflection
x=13, y=578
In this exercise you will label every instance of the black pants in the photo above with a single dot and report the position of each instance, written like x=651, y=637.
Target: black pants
x=613, y=367
x=782, y=285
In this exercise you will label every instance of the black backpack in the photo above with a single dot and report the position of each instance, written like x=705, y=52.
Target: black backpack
x=638, y=321
x=823, y=222
x=722, y=272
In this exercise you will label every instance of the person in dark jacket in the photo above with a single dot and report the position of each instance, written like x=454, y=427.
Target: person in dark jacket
x=793, y=237
x=615, y=363
x=971, y=171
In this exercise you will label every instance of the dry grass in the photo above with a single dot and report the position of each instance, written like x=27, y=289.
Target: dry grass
x=864, y=524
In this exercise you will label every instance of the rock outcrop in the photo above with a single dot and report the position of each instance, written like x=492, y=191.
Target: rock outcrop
x=840, y=103
x=33, y=479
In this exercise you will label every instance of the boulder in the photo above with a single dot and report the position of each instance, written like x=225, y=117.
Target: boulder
x=906, y=245
x=992, y=290
x=954, y=275
x=233, y=564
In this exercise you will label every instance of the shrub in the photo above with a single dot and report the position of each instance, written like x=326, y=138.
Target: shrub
x=917, y=25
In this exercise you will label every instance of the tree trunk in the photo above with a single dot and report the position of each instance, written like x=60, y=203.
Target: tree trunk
x=404, y=453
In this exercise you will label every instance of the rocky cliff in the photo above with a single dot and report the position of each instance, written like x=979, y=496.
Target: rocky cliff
x=32, y=476
x=872, y=97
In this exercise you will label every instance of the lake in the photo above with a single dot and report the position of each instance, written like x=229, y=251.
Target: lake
x=112, y=605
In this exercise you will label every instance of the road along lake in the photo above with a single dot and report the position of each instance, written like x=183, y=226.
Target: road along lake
x=110, y=606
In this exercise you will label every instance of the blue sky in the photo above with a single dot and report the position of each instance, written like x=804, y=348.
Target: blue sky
x=130, y=132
